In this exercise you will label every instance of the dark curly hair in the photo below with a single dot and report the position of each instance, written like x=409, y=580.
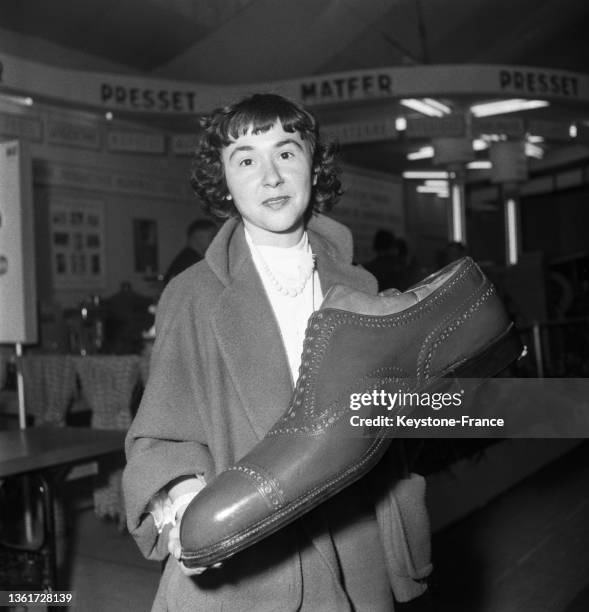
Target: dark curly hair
x=259, y=113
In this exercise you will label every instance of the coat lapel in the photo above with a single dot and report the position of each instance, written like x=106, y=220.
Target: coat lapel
x=256, y=361
x=332, y=271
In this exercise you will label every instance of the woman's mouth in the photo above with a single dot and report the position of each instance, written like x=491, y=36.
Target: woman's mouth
x=276, y=202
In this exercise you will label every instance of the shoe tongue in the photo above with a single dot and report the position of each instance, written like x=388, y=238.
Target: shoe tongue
x=341, y=297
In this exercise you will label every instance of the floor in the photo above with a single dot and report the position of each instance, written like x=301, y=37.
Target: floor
x=527, y=551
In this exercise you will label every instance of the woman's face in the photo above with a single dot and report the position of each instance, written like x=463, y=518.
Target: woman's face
x=269, y=176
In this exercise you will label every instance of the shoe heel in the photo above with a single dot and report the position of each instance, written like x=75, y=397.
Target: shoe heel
x=493, y=358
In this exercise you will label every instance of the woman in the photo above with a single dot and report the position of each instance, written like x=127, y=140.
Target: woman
x=229, y=336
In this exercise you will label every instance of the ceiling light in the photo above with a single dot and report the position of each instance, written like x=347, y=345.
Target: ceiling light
x=573, y=131
x=426, y=174
x=109, y=116
x=439, y=105
x=534, y=138
x=493, y=137
x=437, y=183
x=400, y=124
x=505, y=106
x=425, y=107
x=533, y=150
x=478, y=144
x=423, y=153
x=479, y=164
x=441, y=193
x=24, y=100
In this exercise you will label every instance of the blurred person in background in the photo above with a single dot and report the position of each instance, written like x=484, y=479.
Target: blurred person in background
x=199, y=235
x=385, y=266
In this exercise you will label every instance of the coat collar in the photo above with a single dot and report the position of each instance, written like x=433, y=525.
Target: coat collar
x=331, y=241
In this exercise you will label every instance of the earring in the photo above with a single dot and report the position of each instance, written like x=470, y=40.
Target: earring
x=228, y=197
x=314, y=179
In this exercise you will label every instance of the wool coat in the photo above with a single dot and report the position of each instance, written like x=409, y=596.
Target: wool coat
x=219, y=379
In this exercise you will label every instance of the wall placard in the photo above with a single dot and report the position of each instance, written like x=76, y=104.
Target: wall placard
x=72, y=134
x=77, y=243
x=20, y=126
x=18, y=297
x=135, y=142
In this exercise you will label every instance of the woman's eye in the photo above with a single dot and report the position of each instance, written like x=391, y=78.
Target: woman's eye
x=286, y=154
x=246, y=162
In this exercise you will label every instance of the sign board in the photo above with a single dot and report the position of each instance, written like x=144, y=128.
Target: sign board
x=361, y=131
x=135, y=142
x=509, y=162
x=452, y=151
x=183, y=144
x=509, y=126
x=551, y=130
x=20, y=126
x=110, y=180
x=436, y=127
x=139, y=94
x=371, y=201
x=18, y=298
x=72, y=134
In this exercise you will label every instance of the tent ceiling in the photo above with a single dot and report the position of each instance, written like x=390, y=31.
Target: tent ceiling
x=241, y=41
x=253, y=41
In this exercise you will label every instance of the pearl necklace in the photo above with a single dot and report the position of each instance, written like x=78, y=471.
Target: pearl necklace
x=292, y=290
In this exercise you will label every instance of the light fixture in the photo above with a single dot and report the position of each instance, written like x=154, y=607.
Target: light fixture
x=501, y=107
x=573, y=131
x=493, y=137
x=109, y=116
x=533, y=150
x=426, y=106
x=423, y=153
x=479, y=164
x=534, y=138
x=479, y=144
x=444, y=108
x=512, y=241
x=426, y=174
x=441, y=193
x=24, y=100
x=439, y=183
x=400, y=124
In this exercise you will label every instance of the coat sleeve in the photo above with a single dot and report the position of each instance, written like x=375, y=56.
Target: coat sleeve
x=166, y=439
x=404, y=526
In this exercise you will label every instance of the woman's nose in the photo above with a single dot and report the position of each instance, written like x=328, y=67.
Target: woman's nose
x=272, y=176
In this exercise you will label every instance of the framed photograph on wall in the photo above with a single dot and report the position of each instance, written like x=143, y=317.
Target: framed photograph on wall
x=145, y=245
x=77, y=243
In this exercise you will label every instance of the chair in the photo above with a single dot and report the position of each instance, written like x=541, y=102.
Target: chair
x=107, y=384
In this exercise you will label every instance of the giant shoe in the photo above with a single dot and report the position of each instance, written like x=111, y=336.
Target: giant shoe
x=452, y=324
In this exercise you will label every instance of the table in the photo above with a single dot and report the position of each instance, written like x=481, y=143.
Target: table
x=42, y=450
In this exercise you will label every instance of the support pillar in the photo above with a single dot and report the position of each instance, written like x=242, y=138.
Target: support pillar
x=457, y=205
